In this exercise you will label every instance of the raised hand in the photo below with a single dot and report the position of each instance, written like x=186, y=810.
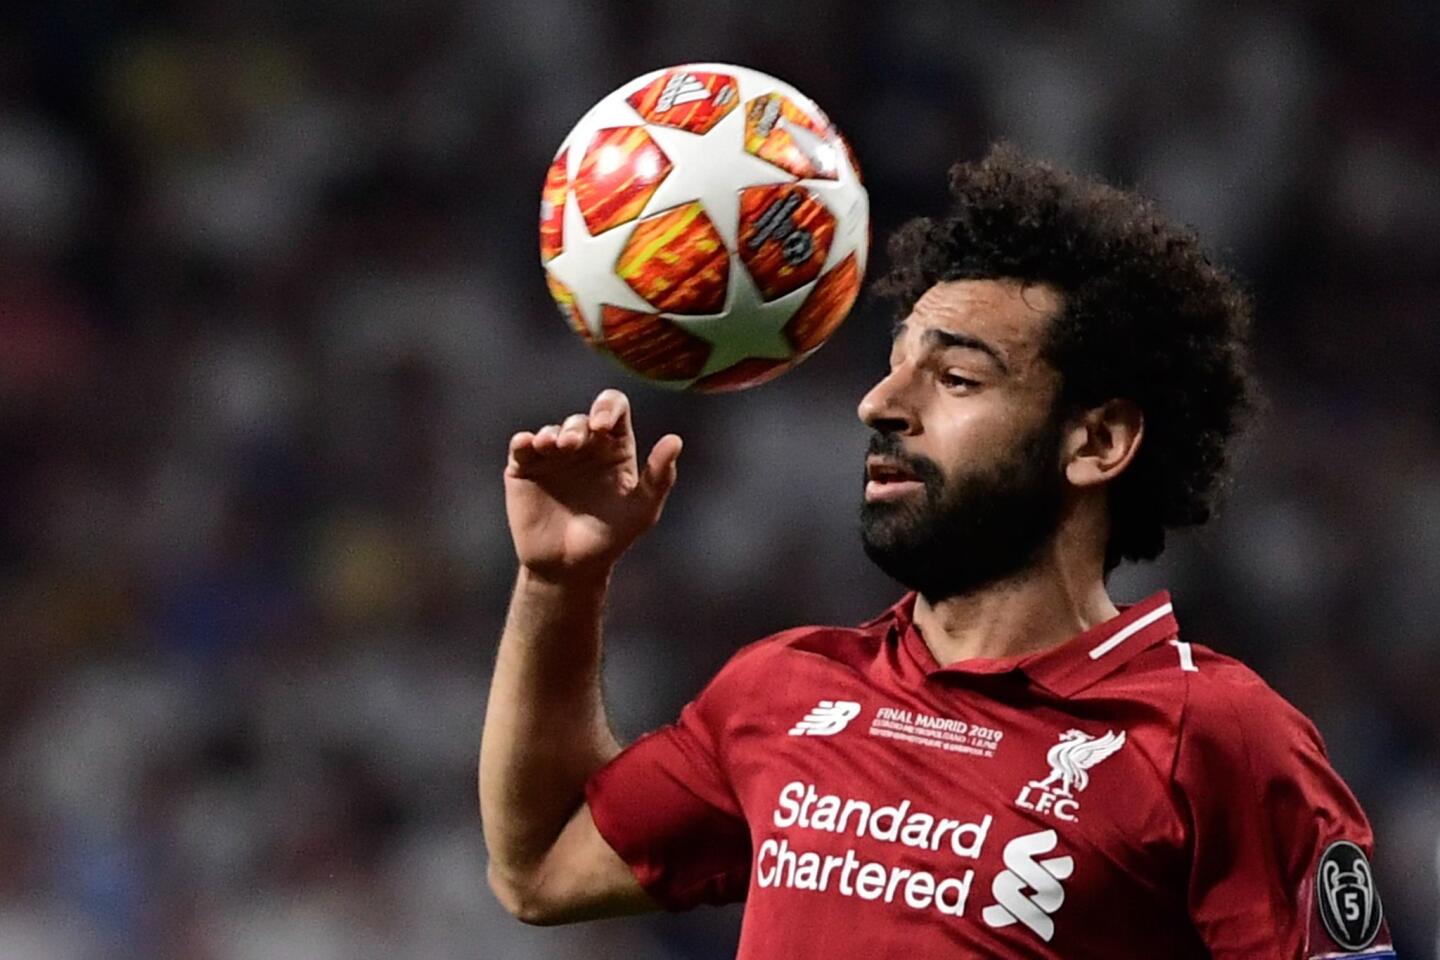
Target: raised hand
x=576, y=494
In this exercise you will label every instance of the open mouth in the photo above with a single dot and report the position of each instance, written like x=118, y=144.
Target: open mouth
x=886, y=478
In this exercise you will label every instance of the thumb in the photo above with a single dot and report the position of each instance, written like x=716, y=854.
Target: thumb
x=660, y=467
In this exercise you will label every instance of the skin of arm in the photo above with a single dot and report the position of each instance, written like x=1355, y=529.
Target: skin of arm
x=576, y=498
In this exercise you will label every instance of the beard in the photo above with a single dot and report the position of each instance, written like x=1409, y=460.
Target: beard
x=973, y=530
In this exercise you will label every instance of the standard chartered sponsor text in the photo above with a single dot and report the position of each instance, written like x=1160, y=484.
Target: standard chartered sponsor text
x=800, y=806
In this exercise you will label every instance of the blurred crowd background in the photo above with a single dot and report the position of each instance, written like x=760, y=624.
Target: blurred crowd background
x=270, y=307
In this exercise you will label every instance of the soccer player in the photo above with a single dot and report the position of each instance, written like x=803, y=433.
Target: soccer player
x=1005, y=763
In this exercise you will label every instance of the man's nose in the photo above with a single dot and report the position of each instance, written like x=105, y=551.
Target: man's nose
x=885, y=409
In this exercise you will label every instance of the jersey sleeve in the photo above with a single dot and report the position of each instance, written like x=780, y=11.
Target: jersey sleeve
x=1279, y=849
x=667, y=807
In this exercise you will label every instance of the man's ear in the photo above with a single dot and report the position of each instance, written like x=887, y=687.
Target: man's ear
x=1102, y=442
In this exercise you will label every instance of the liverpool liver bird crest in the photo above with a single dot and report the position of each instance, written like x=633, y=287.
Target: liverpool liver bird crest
x=1076, y=753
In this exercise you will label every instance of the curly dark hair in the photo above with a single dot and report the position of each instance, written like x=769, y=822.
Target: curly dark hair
x=1147, y=317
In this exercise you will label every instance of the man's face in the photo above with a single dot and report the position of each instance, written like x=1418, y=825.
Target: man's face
x=964, y=483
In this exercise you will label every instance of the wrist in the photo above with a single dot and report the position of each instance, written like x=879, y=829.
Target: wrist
x=571, y=581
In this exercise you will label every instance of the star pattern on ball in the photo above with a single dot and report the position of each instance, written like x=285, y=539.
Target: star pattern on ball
x=709, y=173
x=716, y=186
x=750, y=327
x=587, y=266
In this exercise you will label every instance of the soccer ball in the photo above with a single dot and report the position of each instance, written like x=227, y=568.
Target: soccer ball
x=705, y=226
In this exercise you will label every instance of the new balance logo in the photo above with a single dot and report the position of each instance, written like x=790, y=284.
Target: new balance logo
x=1013, y=904
x=828, y=718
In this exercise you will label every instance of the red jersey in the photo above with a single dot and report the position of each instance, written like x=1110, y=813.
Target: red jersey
x=1125, y=794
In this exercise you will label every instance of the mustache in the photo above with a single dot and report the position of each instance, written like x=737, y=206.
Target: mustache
x=889, y=445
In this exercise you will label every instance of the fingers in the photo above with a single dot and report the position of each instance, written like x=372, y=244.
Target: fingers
x=522, y=449
x=574, y=432
x=606, y=430
x=545, y=438
x=610, y=413
x=661, y=467
x=528, y=450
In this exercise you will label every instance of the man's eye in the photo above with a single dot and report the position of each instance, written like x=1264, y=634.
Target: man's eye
x=955, y=380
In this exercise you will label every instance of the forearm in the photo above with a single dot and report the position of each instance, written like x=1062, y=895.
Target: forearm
x=545, y=728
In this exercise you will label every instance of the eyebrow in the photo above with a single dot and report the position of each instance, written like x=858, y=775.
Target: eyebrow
x=935, y=337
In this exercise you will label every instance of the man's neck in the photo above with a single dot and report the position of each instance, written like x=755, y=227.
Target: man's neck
x=1030, y=613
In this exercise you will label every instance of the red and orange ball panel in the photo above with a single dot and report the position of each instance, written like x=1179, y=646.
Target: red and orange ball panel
x=785, y=236
x=677, y=261
x=619, y=173
x=687, y=100
x=781, y=132
x=651, y=345
x=826, y=307
x=552, y=209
